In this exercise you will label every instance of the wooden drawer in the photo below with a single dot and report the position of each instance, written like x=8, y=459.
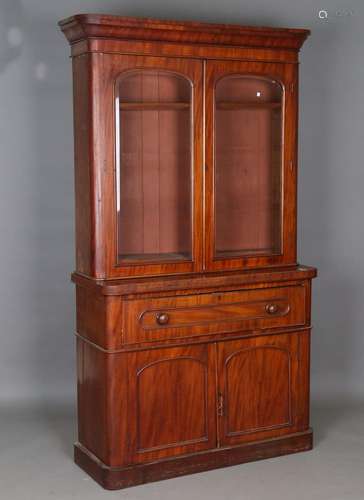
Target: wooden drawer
x=184, y=316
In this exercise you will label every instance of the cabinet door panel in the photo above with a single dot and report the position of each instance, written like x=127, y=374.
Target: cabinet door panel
x=262, y=387
x=172, y=396
x=149, y=110
x=250, y=151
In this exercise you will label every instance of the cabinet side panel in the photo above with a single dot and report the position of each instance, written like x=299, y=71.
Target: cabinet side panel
x=90, y=322
x=91, y=399
x=82, y=125
x=303, y=397
x=118, y=410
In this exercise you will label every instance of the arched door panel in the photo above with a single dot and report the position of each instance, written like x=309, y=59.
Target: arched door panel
x=259, y=388
x=172, y=401
x=250, y=190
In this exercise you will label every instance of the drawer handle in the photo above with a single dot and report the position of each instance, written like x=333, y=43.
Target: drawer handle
x=162, y=318
x=271, y=308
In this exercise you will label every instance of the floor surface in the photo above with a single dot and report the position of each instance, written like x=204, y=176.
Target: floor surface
x=36, y=464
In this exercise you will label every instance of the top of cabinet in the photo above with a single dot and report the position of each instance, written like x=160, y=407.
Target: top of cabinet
x=84, y=26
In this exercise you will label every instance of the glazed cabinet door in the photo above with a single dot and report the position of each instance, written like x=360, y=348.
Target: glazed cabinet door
x=172, y=401
x=263, y=387
x=149, y=110
x=251, y=121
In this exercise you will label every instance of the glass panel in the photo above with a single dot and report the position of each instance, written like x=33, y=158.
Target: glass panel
x=248, y=163
x=154, y=166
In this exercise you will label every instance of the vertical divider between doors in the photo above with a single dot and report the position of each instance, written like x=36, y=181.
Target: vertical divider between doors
x=203, y=165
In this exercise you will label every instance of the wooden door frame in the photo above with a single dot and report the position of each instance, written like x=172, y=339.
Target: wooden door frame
x=287, y=75
x=105, y=70
x=201, y=353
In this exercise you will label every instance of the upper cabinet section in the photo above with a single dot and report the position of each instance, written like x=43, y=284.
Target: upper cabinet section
x=185, y=146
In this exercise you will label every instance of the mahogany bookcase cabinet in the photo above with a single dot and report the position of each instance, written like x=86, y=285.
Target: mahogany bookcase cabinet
x=193, y=315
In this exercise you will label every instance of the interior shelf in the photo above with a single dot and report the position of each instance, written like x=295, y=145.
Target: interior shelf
x=144, y=106
x=247, y=104
x=149, y=257
x=220, y=254
x=155, y=106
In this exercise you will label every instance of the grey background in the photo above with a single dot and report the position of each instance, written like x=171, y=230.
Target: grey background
x=37, y=362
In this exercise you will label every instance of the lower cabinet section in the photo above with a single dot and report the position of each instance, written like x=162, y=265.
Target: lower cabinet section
x=156, y=405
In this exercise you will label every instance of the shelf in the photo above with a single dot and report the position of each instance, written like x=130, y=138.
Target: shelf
x=247, y=105
x=164, y=106
x=220, y=254
x=153, y=257
x=153, y=106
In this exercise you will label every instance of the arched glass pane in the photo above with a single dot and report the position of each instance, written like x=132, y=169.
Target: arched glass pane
x=153, y=166
x=248, y=166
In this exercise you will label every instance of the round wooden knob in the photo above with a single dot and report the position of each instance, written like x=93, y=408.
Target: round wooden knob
x=271, y=308
x=162, y=318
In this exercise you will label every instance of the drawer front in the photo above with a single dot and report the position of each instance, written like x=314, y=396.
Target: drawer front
x=185, y=316
x=191, y=315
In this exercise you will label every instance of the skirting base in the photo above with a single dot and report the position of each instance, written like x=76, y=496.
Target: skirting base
x=114, y=478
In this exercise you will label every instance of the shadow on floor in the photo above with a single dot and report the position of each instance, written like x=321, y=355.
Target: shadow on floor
x=325, y=416
x=62, y=423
